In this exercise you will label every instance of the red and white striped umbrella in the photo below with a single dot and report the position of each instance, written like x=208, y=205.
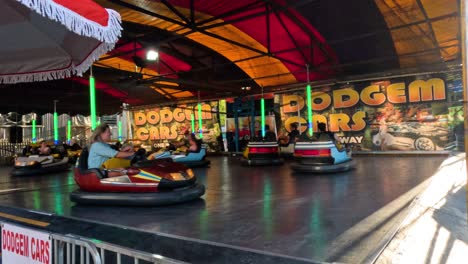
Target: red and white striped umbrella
x=51, y=39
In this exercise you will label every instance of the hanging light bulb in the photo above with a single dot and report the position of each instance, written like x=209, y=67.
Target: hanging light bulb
x=152, y=55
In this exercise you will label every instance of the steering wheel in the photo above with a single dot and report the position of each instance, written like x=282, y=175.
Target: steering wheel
x=139, y=156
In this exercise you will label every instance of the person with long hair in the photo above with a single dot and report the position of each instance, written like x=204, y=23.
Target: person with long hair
x=100, y=151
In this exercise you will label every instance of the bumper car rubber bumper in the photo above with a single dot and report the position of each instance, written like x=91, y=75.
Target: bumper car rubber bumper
x=323, y=168
x=261, y=162
x=139, y=199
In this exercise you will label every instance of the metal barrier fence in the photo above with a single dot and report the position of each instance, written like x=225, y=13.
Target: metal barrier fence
x=99, y=252
x=65, y=246
x=9, y=150
x=72, y=249
x=116, y=254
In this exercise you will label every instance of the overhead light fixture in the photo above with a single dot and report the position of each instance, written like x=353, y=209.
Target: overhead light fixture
x=152, y=55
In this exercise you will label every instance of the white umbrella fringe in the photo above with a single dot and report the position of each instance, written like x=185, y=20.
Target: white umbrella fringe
x=76, y=23
x=79, y=25
x=59, y=74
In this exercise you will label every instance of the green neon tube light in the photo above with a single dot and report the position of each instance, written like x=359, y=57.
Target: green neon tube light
x=55, y=128
x=120, y=130
x=262, y=106
x=309, y=110
x=92, y=98
x=34, y=138
x=200, y=130
x=192, y=117
x=69, y=131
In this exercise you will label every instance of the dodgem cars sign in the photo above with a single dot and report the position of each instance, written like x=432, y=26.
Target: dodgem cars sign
x=21, y=245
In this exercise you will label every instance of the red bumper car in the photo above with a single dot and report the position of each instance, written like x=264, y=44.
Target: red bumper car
x=159, y=182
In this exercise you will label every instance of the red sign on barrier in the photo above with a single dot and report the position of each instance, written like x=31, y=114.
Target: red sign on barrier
x=22, y=245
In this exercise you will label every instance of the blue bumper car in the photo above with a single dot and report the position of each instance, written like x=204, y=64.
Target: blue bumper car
x=190, y=159
x=321, y=156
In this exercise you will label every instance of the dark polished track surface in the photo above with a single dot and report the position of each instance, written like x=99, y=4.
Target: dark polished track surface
x=262, y=208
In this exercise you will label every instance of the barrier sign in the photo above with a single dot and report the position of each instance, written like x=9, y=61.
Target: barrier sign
x=21, y=245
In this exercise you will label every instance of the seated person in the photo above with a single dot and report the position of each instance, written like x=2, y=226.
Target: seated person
x=270, y=136
x=44, y=149
x=29, y=150
x=100, y=152
x=194, y=144
x=322, y=127
x=291, y=137
x=181, y=145
x=75, y=146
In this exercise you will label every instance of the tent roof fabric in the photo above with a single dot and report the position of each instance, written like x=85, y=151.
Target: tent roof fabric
x=423, y=31
x=215, y=47
x=294, y=45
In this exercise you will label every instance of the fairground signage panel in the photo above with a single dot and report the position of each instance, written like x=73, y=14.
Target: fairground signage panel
x=159, y=125
x=421, y=113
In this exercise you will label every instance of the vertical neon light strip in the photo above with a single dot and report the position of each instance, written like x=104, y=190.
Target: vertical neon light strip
x=192, y=117
x=92, y=98
x=55, y=128
x=69, y=131
x=200, y=129
x=309, y=110
x=262, y=109
x=34, y=138
x=120, y=130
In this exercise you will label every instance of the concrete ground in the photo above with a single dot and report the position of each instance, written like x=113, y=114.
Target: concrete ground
x=436, y=229
x=388, y=210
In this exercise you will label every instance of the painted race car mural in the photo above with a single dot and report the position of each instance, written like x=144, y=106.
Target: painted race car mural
x=414, y=113
x=411, y=136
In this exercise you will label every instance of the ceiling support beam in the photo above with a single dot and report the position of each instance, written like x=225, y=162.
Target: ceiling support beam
x=342, y=65
x=432, y=36
x=167, y=40
x=167, y=66
x=229, y=13
x=374, y=33
x=247, y=17
x=147, y=12
x=291, y=37
x=229, y=22
x=249, y=48
x=301, y=25
x=175, y=11
x=202, y=86
x=173, y=51
x=267, y=18
x=192, y=13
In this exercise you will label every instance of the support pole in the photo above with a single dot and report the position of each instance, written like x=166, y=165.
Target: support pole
x=92, y=98
x=200, y=121
x=236, y=122
x=34, y=138
x=69, y=131
x=192, y=118
x=119, y=124
x=55, y=123
x=253, y=133
x=262, y=110
x=464, y=45
x=309, y=105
